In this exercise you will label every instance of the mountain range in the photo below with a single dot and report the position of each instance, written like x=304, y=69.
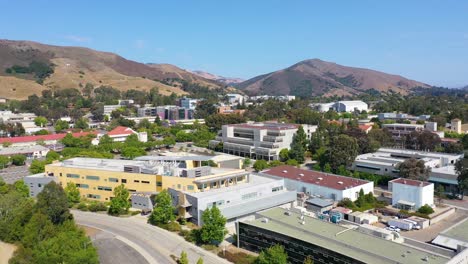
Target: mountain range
x=320, y=78
x=28, y=67
x=73, y=67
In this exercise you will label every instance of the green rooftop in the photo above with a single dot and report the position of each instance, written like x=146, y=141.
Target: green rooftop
x=360, y=246
x=459, y=231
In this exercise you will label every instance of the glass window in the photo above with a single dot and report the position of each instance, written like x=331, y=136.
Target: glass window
x=94, y=196
x=94, y=178
x=71, y=175
x=190, y=187
x=159, y=184
x=104, y=188
x=82, y=185
x=124, y=180
x=113, y=180
x=249, y=196
x=147, y=182
x=136, y=180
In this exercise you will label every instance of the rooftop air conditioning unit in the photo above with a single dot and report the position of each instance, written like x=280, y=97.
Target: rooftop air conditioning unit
x=301, y=174
x=285, y=171
x=320, y=178
x=340, y=182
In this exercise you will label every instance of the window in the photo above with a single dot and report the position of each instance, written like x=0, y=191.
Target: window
x=190, y=187
x=249, y=196
x=124, y=180
x=71, y=175
x=39, y=185
x=159, y=184
x=82, y=185
x=275, y=189
x=94, y=196
x=60, y=174
x=136, y=180
x=179, y=186
x=94, y=178
x=147, y=182
x=113, y=180
x=104, y=188
x=131, y=190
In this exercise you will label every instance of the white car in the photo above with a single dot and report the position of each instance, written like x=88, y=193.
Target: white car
x=393, y=228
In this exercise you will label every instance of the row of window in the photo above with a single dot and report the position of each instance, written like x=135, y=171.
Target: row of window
x=275, y=189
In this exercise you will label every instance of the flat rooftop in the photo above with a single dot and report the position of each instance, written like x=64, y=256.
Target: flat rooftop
x=459, y=231
x=419, y=153
x=411, y=182
x=360, y=246
x=315, y=177
x=266, y=125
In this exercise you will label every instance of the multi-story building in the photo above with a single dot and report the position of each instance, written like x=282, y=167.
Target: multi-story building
x=401, y=116
x=236, y=201
x=167, y=112
x=235, y=98
x=188, y=103
x=284, y=98
x=342, y=106
x=325, y=242
x=320, y=184
x=258, y=140
x=386, y=160
x=411, y=194
x=400, y=131
x=36, y=182
x=97, y=178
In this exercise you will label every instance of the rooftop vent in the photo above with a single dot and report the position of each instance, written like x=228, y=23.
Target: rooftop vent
x=340, y=183
x=285, y=171
x=265, y=220
x=287, y=213
x=320, y=178
x=303, y=222
x=301, y=174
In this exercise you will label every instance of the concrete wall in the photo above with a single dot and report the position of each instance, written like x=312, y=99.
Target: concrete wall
x=416, y=194
x=36, y=184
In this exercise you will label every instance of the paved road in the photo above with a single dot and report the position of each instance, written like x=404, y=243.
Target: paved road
x=154, y=244
x=113, y=250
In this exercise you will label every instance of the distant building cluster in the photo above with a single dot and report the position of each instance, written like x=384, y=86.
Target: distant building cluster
x=342, y=106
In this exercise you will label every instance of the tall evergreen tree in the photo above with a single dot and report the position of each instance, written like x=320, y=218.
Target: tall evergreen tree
x=53, y=202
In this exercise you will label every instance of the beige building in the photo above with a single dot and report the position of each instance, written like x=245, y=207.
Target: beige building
x=97, y=178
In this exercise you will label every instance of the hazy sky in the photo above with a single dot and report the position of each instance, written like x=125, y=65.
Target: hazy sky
x=423, y=40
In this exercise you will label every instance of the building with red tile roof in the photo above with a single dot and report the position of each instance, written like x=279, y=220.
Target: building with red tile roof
x=32, y=140
x=365, y=128
x=121, y=133
x=321, y=184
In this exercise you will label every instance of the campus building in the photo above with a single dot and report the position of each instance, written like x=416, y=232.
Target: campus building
x=320, y=184
x=188, y=103
x=48, y=140
x=325, y=242
x=385, y=162
x=167, y=112
x=235, y=202
x=31, y=152
x=411, y=194
x=97, y=178
x=36, y=182
x=258, y=140
x=341, y=106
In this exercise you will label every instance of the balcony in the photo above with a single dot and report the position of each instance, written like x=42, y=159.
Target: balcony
x=275, y=133
x=269, y=145
x=241, y=141
x=272, y=139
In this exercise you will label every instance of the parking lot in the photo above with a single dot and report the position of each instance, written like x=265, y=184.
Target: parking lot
x=14, y=173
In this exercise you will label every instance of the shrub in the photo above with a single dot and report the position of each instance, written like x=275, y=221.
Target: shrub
x=425, y=209
x=95, y=206
x=82, y=206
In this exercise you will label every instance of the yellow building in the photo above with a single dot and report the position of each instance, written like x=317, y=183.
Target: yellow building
x=97, y=178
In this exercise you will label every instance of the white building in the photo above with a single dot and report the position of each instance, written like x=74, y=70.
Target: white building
x=324, y=185
x=235, y=98
x=284, y=98
x=35, y=152
x=36, y=182
x=411, y=194
x=258, y=140
x=342, y=106
x=235, y=202
x=188, y=103
x=120, y=134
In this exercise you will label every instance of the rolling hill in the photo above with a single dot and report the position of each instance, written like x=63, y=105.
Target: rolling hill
x=73, y=67
x=320, y=78
x=221, y=79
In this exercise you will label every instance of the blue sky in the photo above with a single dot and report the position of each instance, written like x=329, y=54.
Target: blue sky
x=423, y=40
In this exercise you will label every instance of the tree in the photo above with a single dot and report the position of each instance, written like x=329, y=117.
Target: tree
x=461, y=167
x=81, y=123
x=40, y=121
x=53, y=202
x=22, y=188
x=414, y=169
x=308, y=260
x=183, y=258
x=284, y=154
x=37, y=166
x=292, y=162
x=52, y=155
x=273, y=255
x=61, y=125
x=73, y=193
x=157, y=120
x=39, y=228
x=120, y=203
x=425, y=209
x=200, y=260
x=213, y=228
x=132, y=152
x=297, y=150
x=18, y=160
x=163, y=211
x=4, y=160
x=260, y=165
x=342, y=151
x=247, y=162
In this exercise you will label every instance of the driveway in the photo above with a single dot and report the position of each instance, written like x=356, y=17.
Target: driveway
x=156, y=245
